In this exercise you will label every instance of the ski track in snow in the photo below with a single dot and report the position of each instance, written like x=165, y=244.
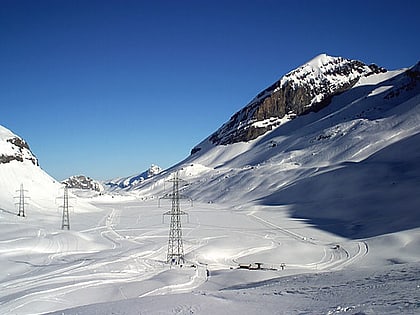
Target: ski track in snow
x=69, y=271
x=333, y=259
x=75, y=275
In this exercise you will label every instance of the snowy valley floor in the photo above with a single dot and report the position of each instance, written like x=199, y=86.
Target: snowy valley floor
x=390, y=290
x=112, y=262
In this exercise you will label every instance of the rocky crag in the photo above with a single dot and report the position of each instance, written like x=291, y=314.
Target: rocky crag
x=307, y=88
x=83, y=182
x=14, y=148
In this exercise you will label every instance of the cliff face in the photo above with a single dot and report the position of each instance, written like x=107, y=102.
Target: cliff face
x=13, y=148
x=307, y=88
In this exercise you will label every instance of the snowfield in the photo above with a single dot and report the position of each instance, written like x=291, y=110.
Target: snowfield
x=319, y=216
x=114, y=261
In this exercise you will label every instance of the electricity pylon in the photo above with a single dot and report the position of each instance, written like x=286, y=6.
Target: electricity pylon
x=175, y=254
x=65, y=221
x=21, y=203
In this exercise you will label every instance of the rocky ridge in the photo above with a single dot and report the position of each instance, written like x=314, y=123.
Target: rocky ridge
x=14, y=148
x=83, y=182
x=308, y=88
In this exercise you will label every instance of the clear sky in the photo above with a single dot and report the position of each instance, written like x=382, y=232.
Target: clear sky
x=106, y=88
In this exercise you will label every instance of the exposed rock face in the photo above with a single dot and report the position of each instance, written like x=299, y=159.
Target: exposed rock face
x=83, y=182
x=308, y=88
x=13, y=148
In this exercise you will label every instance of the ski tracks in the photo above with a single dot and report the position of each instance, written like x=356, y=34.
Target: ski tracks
x=335, y=257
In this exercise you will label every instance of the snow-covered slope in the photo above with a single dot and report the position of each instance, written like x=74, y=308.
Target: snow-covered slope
x=347, y=153
x=132, y=181
x=340, y=168
x=19, y=166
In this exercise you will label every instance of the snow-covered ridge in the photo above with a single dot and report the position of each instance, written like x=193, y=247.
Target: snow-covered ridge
x=14, y=148
x=328, y=74
x=134, y=180
x=310, y=87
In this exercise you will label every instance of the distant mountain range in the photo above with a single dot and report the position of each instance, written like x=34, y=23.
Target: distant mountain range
x=85, y=182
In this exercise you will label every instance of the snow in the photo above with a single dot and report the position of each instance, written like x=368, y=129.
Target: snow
x=5, y=133
x=131, y=182
x=323, y=68
x=327, y=203
x=273, y=121
x=9, y=149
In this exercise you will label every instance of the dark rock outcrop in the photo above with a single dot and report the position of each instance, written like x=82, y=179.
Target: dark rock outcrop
x=21, y=152
x=82, y=182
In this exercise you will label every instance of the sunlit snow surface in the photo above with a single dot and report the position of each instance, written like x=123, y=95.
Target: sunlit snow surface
x=328, y=203
x=118, y=254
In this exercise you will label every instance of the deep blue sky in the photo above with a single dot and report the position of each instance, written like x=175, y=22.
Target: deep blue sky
x=105, y=88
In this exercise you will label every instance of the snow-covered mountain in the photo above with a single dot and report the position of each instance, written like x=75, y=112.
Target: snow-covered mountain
x=19, y=166
x=83, y=182
x=134, y=180
x=343, y=163
x=308, y=88
x=14, y=148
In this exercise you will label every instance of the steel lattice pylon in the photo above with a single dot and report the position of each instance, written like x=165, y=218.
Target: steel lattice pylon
x=175, y=245
x=65, y=222
x=21, y=211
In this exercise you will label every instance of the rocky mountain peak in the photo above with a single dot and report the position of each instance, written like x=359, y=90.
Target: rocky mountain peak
x=308, y=88
x=83, y=182
x=14, y=148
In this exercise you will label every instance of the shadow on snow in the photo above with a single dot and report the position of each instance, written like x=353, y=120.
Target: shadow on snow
x=376, y=196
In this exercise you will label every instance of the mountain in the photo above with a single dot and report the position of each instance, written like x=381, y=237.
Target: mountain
x=308, y=88
x=134, y=180
x=333, y=158
x=14, y=148
x=83, y=182
x=19, y=166
x=349, y=156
